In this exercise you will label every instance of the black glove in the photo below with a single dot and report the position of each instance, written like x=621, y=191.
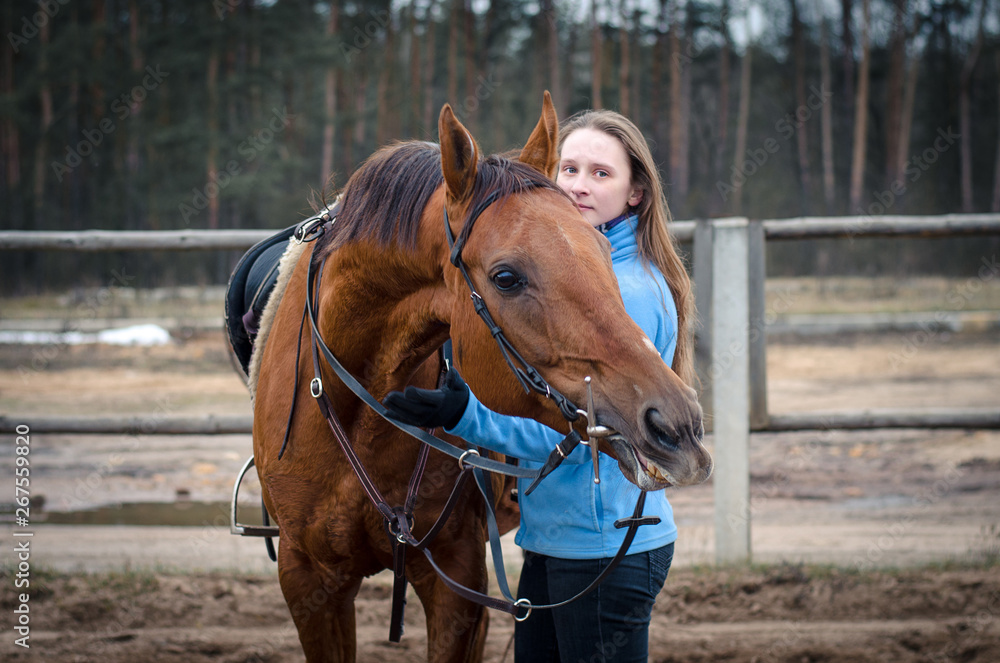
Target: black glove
x=430, y=408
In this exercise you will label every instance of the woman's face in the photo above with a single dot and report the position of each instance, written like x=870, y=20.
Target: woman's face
x=594, y=171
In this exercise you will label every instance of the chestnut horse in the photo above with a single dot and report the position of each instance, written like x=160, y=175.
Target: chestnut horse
x=388, y=298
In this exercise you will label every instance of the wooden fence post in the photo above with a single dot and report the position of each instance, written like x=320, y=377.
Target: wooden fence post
x=731, y=389
x=758, y=325
x=702, y=268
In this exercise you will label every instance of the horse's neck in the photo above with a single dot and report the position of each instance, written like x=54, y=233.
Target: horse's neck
x=378, y=317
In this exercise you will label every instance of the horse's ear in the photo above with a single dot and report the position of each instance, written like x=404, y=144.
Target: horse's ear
x=459, y=155
x=541, y=152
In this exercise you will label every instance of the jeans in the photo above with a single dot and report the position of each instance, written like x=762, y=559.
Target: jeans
x=610, y=624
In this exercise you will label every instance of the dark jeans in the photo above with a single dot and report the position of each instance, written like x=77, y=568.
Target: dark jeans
x=609, y=624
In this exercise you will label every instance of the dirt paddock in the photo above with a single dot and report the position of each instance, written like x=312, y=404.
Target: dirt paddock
x=868, y=545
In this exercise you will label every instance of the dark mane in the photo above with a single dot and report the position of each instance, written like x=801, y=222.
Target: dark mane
x=385, y=198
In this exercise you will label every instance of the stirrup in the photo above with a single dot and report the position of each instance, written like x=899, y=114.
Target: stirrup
x=246, y=530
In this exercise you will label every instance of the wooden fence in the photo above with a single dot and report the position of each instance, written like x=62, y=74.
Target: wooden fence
x=729, y=274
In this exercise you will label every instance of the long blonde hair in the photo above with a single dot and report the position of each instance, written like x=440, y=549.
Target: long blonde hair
x=656, y=246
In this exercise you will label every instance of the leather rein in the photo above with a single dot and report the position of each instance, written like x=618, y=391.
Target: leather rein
x=399, y=521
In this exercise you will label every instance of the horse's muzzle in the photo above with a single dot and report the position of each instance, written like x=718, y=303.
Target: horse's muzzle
x=672, y=453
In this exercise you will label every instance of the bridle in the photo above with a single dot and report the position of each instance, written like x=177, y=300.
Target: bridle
x=399, y=520
x=525, y=373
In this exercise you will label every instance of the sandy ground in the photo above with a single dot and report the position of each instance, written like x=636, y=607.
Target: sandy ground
x=904, y=525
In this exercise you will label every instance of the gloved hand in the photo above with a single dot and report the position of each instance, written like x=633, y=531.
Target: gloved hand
x=430, y=408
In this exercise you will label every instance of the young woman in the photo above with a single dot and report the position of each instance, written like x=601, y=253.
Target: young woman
x=567, y=524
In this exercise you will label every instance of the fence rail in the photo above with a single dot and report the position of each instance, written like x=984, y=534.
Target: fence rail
x=130, y=240
x=152, y=424
x=730, y=252
x=208, y=240
x=955, y=418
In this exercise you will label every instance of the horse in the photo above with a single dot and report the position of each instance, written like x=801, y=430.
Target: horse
x=386, y=300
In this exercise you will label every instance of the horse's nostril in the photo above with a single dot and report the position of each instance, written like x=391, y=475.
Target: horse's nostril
x=661, y=429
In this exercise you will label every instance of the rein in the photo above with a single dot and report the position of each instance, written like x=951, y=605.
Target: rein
x=399, y=520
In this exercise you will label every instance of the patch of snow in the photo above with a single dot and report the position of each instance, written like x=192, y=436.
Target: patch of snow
x=145, y=335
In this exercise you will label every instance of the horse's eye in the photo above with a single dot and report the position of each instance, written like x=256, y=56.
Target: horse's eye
x=507, y=281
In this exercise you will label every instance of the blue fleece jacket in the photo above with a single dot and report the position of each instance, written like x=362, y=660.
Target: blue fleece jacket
x=568, y=515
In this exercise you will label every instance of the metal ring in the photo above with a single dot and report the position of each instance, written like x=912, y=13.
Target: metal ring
x=522, y=602
x=316, y=387
x=461, y=459
x=398, y=531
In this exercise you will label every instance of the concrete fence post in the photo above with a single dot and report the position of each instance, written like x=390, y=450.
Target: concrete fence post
x=702, y=268
x=731, y=389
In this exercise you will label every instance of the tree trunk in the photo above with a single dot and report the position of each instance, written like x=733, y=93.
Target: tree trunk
x=826, y=120
x=551, y=31
x=469, y=66
x=360, y=110
x=679, y=105
x=568, y=79
x=45, y=122
x=10, y=142
x=255, y=64
x=847, y=38
x=596, y=55
x=656, y=96
x=722, y=122
x=683, y=157
x=635, y=47
x=995, y=206
x=429, y=35
x=624, y=74
x=861, y=113
x=894, y=92
x=742, y=120
x=414, y=83
x=965, y=113
x=906, y=118
x=383, y=89
x=453, y=27
x=211, y=157
x=802, y=135
x=135, y=217
x=97, y=54
x=329, y=104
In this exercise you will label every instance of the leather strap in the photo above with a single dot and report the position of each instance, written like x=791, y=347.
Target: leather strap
x=525, y=373
x=468, y=461
x=351, y=383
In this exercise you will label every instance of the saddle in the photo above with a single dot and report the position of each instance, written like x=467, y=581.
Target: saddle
x=249, y=287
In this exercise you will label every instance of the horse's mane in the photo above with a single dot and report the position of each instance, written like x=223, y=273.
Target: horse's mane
x=385, y=198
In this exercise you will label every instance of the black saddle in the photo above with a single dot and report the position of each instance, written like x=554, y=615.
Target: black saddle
x=249, y=287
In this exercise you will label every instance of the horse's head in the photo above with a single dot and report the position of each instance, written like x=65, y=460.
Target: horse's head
x=545, y=275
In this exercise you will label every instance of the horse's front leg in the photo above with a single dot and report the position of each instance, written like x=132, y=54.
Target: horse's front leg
x=456, y=627
x=321, y=604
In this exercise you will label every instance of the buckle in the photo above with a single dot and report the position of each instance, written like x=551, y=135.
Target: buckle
x=645, y=520
x=311, y=228
x=316, y=388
